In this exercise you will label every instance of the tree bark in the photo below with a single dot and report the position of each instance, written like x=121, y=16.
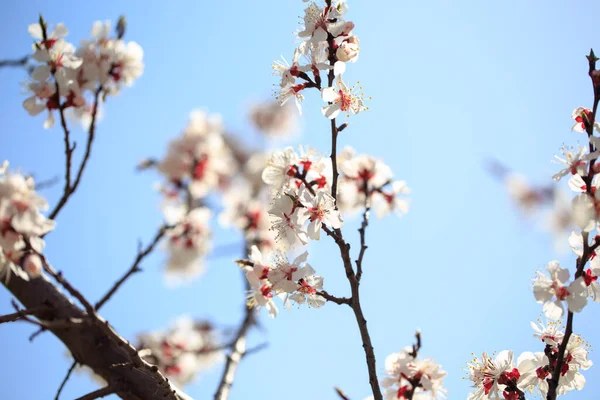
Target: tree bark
x=94, y=342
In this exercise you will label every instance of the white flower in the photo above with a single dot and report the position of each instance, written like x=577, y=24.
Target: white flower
x=20, y=219
x=286, y=220
x=402, y=368
x=551, y=333
x=341, y=98
x=319, y=209
x=289, y=91
x=385, y=201
x=280, y=167
x=582, y=116
x=307, y=291
x=187, y=243
x=551, y=291
x=488, y=374
x=54, y=50
x=574, y=160
x=184, y=350
x=261, y=294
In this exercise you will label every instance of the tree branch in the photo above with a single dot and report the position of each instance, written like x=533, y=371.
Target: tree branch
x=334, y=299
x=362, y=231
x=21, y=314
x=341, y=394
x=68, y=188
x=587, y=250
x=20, y=62
x=238, y=351
x=96, y=344
x=135, y=267
x=344, y=247
x=98, y=394
x=64, y=382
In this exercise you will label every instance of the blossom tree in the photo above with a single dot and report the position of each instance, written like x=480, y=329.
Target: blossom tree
x=281, y=202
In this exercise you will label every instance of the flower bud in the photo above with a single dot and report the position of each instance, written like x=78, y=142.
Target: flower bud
x=348, y=50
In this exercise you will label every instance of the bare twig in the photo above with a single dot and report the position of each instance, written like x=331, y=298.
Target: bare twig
x=37, y=333
x=21, y=314
x=135, y=267
x=69, y=188
x=20, y=62
x=341, y=394
x=238, y=351
x=334, y=299
x=98, y=394
x=256, y=349
x=64, y=382
x=48, y=183
x=362, y=231
x=61, y=279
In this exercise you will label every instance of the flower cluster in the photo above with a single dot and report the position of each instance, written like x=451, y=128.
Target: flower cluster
x=366, y=181
x=199, y=160
x=328, y=44
x=502, y=376
x=184, y=350
x=188, y=241
x=197, y=164
x=274, y=276
x=409, y=377
x=66, y=78
x=21, y=225
x=246, y=202
x=301, y=186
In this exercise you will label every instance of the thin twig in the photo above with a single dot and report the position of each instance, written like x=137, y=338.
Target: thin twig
x=69, y=188
x=61, y=279
x=20, y=62
x=238, y=350
x=362, y=231
x=256, y=349
x=98, y=394
x=64, y=382
x=334, y=299
x=48, y=183
x=37, y=333
x=341, y=394
x=135, y=267
x=21, y=314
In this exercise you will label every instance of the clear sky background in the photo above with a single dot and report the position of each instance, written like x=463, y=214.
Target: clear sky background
x=453, y=84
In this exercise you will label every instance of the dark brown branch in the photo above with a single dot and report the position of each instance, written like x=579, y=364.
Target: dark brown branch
x=98, y=394
x=362, y=231
x=135, y=267
x=341, y=394
x=71, y=188
x=95, y=344
x=344, y=247
x=61, y=279
x=334, y=299
x=37, y=333
x=21, y=314
x=64, y=382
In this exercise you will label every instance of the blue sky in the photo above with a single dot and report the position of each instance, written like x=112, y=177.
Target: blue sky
x=453, y=84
